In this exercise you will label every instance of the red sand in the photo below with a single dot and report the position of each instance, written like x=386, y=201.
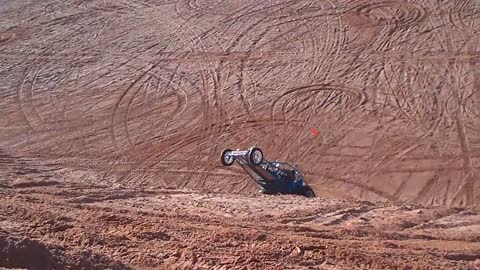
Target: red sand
x=113, y=115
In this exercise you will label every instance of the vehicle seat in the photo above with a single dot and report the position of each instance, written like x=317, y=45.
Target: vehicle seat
x=290, y=174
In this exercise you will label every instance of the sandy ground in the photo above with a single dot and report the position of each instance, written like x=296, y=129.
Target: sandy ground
x=113, y=115
x=52, y=223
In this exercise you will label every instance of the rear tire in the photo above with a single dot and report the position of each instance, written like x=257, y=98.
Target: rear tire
x=255, y=156
x=226, y=159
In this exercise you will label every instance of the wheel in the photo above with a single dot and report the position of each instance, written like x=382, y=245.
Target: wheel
x=308, y=192
x=227, y=160
x=255, y=156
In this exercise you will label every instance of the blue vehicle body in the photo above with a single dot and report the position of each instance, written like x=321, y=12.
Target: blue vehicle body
x=273, y=177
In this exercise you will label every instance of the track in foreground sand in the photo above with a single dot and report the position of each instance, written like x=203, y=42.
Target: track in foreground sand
x=72, y=224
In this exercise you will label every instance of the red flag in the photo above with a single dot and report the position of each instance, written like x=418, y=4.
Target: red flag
x=314, y=131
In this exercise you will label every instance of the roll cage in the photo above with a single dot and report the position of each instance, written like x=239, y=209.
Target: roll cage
x=269, y=170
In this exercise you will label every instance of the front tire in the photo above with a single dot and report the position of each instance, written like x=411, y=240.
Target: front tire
x=227, y=160
x=308, y=192
x=255, y=156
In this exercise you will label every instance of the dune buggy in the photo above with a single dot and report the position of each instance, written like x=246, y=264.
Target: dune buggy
x=273, y=177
